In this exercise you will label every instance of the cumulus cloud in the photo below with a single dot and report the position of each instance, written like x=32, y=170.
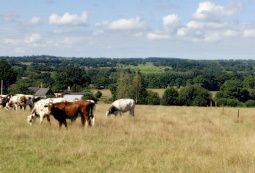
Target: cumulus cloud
x=123, y=24
x=171, y=22
x=209, y=11
x=69, y=19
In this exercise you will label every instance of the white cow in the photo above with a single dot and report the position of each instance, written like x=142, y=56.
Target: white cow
x=20, y=100
x=41, y=111
x=121, y=106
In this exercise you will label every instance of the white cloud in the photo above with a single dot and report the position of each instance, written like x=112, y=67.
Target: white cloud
x=153, y=36
x=69, y=19
x=171, y=23
x=10, y=17
x=33, y=38
x=209, y=11
x=35, y=21
x=171, y=20
x=123, y=24
x=249, y=33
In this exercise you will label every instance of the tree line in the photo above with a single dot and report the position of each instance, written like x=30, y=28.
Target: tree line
x=233, y=80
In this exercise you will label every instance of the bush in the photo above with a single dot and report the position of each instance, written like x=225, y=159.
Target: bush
x=153, y=98
x=250, y=103
x=98, y=94
x=170, y=97
x=194, y=95
x=228, y=102
x=89, y=96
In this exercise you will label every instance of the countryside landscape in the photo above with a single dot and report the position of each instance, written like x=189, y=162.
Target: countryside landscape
x=161, y=137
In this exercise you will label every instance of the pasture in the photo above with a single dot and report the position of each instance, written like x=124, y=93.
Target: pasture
x=157, y=139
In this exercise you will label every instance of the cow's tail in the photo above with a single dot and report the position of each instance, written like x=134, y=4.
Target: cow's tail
x=92, y=110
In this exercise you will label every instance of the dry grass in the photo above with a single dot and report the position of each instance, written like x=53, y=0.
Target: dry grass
x=157, y=139
x=159, y=91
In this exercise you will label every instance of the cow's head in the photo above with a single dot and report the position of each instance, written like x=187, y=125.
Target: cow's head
x=31, y=119
x=49, y=106
x=9, y=105
x=112, y=110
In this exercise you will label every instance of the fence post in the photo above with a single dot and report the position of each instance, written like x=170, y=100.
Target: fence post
x=222, y=108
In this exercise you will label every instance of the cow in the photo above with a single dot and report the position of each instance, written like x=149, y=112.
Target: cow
x=41, y=111
x=20, y=100
x=121, y=106
x=4, y=99
x=70, y=110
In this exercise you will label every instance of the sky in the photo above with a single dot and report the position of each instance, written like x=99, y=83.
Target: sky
x=219, y=29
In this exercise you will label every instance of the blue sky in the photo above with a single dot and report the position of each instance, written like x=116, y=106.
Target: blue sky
x=220, y=29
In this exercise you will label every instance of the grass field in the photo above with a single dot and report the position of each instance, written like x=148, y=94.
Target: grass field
x=157, y=139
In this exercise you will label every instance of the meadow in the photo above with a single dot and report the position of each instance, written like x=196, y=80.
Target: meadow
x=157, y=139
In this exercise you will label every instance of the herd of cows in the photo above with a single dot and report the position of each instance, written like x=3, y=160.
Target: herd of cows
x=60, y=109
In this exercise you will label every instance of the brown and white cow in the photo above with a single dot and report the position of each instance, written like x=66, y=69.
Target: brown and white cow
x=20, y=100
x=41, y=111
x=70, y=110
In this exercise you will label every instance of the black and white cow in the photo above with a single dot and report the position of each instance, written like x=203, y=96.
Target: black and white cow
x=121, y=106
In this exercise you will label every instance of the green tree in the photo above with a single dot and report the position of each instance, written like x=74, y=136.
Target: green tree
x=170, y=97
x=233, y=89
x=152, y=98
x=138, y=89
x=124, y=85
x=7, y=75
x=194, y=95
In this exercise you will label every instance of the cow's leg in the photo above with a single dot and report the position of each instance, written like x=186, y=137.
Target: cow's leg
x=48, y=119
x=65, y=123
x=132, y=112
x=59, y=124
x=83, y=119
x=41, y=119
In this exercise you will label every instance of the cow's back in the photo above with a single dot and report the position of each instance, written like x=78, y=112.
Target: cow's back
x=124, y=105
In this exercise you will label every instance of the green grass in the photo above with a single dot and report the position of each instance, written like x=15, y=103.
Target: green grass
x=147, y=68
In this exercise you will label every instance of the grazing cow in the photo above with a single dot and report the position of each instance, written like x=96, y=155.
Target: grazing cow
x=121, y=106
x=20, y=100
x=41, y=111
x=70, y=110
x=4, y=99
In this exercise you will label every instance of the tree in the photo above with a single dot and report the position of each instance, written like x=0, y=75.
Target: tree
x=170, y=97
x=7, y=75
x=152, y=98
x=139, y=89
x=124, y=83
x=98, y=94
x=233, y=89
x=69, y=77
x=194, y=95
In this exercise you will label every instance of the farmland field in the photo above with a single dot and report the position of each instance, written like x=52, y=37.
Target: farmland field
x=157, y=139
